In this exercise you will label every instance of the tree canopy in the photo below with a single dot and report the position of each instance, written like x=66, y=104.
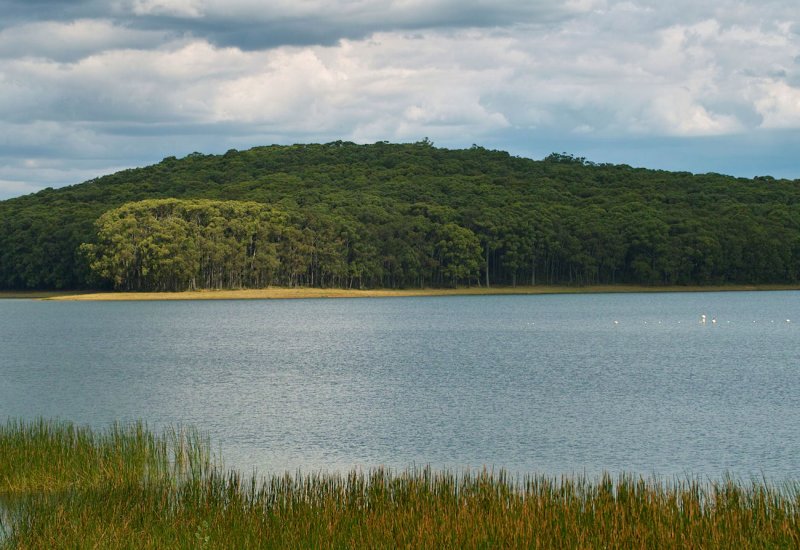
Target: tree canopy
x=398, y=215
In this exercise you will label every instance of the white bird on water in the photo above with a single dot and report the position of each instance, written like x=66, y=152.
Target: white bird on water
x=703, y=319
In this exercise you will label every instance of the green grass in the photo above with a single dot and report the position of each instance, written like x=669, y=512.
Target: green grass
x=68, y=487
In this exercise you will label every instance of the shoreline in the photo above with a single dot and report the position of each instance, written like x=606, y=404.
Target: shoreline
x=281, y=293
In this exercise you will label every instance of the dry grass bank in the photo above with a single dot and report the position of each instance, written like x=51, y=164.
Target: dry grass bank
x=37, y=294
x=288, y=293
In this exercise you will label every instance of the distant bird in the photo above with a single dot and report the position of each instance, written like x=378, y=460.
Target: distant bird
x=713, y=320
x=788, y=320
x=703, y=319
x=617, y=322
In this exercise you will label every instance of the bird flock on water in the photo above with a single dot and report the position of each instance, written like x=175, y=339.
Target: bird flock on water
x=704, y=320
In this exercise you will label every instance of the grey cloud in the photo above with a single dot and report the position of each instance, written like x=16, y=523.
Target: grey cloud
x=252, y=35
x=330, y=27
x=24, y=11
x=251, y=29
x=256, y=25
x=72, y=41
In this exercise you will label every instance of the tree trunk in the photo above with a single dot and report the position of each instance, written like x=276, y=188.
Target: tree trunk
x=487, y=265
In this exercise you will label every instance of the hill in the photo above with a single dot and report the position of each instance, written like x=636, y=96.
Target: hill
x=398, y=215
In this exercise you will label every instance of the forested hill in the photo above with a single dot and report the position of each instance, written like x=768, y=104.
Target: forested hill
x=398, y=215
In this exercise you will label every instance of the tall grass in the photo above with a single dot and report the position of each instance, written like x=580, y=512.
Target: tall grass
x=68, y=487
x=46, y=457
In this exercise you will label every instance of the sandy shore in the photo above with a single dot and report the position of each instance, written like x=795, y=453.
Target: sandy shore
x=287, y=293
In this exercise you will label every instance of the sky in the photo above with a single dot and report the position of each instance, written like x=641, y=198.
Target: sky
x=90, y=87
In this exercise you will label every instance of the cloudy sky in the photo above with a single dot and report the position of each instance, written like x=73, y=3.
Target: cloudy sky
x=89, y=87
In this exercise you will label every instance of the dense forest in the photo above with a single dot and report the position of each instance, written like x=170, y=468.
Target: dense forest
x=398, y=215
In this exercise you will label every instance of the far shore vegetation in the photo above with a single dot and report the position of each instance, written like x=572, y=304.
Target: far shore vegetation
x=398, y=216
x=278, y=293
x=63, y=486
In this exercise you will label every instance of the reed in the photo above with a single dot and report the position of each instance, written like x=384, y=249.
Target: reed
x=128, y=488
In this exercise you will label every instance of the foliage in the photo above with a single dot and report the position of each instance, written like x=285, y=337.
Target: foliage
x=93, y=504
x=408, y=215
x=170, y=244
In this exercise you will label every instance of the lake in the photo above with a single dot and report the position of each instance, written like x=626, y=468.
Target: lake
x=556, y=384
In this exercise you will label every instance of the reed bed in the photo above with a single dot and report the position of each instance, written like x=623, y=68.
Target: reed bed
x=68, y=487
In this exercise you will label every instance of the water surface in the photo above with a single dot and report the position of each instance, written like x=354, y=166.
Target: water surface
x=547, y=384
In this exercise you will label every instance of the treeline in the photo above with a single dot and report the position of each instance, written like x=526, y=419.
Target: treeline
x=172, y=244
x=400, y=215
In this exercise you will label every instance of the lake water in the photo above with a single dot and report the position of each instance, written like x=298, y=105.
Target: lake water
x=545, y=384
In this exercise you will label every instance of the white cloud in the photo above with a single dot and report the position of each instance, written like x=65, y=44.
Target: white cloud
x=360, y=85
x=458, y=72
x=586, y=5
x=679, y=114
x=680, y=80
x=779, y=105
